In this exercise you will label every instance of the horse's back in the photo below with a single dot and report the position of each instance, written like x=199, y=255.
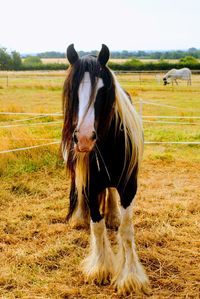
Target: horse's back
x=185, y=70
x=184, y=73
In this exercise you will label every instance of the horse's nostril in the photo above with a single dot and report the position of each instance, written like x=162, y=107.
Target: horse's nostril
x=94, y=136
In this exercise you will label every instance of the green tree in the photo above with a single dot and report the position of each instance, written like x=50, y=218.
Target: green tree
x=16, y=60
x=32, y=60
x=188, y=59
x=5, y=60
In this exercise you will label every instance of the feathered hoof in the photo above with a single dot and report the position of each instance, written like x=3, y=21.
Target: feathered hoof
x=97, y=275
x=132, y=283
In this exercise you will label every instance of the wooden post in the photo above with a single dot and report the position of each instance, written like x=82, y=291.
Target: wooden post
x=141, y=104
x=140, y=78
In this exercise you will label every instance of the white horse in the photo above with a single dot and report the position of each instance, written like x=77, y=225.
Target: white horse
x=174, y=74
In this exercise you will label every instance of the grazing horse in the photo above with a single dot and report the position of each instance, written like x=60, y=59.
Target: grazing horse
x=102, y=144
x=174, y=74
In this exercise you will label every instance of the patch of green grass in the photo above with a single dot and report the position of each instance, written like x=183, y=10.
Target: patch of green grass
x=157, y=132
x=168, y=157
x=31, y=162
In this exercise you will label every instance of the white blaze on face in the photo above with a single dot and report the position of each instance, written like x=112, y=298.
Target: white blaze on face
x=86, y=117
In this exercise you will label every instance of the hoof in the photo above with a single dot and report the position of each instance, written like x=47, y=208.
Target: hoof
x=132, y=286
x=99, y=277
x=98, y=274
x=132, y=283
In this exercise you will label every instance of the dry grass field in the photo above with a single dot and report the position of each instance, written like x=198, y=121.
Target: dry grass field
x=116, y=60
x=39, y=252
x=63, y=60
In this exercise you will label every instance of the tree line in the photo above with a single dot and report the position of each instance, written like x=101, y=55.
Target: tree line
x=173, y=54
x=13, y=61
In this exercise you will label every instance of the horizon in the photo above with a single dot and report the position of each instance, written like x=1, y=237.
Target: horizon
x=147, y=51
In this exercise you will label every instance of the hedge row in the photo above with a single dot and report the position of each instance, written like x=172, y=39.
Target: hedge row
x=127, y=66
x=152, y=66
x=43, y=67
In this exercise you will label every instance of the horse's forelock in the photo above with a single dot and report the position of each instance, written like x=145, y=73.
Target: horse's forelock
x=91, y=65
x=75, y=75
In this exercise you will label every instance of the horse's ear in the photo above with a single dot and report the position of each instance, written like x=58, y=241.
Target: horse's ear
x=104, y=55
x=72, y=55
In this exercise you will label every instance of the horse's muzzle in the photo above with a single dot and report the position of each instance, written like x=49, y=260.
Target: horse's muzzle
x=83, y=143
x=165, y=81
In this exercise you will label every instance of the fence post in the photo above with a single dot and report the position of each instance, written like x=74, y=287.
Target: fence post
x=140, y=78
x=141, y=107
x=7, y=80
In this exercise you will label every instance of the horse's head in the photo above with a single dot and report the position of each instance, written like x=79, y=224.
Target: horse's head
x=88, y=99
x=168, y=77
x=165, y=82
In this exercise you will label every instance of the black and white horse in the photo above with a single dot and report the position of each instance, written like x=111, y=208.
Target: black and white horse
x=102, y=143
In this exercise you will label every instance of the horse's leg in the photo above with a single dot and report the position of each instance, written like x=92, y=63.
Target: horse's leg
x=189, y=81
x=98, y=265
x=129, y=274
x=112, y=214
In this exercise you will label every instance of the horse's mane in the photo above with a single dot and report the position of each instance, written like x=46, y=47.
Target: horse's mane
x=132, y=128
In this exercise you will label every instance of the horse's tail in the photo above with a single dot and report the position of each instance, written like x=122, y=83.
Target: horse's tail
x=77, y=205
x=73, y=199
x=79, y=179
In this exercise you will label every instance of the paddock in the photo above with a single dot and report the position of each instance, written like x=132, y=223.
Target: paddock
x=40, y=253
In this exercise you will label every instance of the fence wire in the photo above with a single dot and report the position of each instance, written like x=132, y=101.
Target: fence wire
x=141, y=102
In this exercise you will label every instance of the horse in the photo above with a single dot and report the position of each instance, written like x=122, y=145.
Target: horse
x=174, y=74
x=102, y=145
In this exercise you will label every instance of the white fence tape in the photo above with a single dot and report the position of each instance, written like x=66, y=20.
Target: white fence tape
x=173, y=142
x=170, y=122
x=31, y=125
x=22, y=120
x=141, y=101
x=30, y=113
x=29, y=139
x=171, y=116
x=28, y=148
x=158, y=104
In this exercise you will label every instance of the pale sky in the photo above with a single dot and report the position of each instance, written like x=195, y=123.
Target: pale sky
x=30, y=26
